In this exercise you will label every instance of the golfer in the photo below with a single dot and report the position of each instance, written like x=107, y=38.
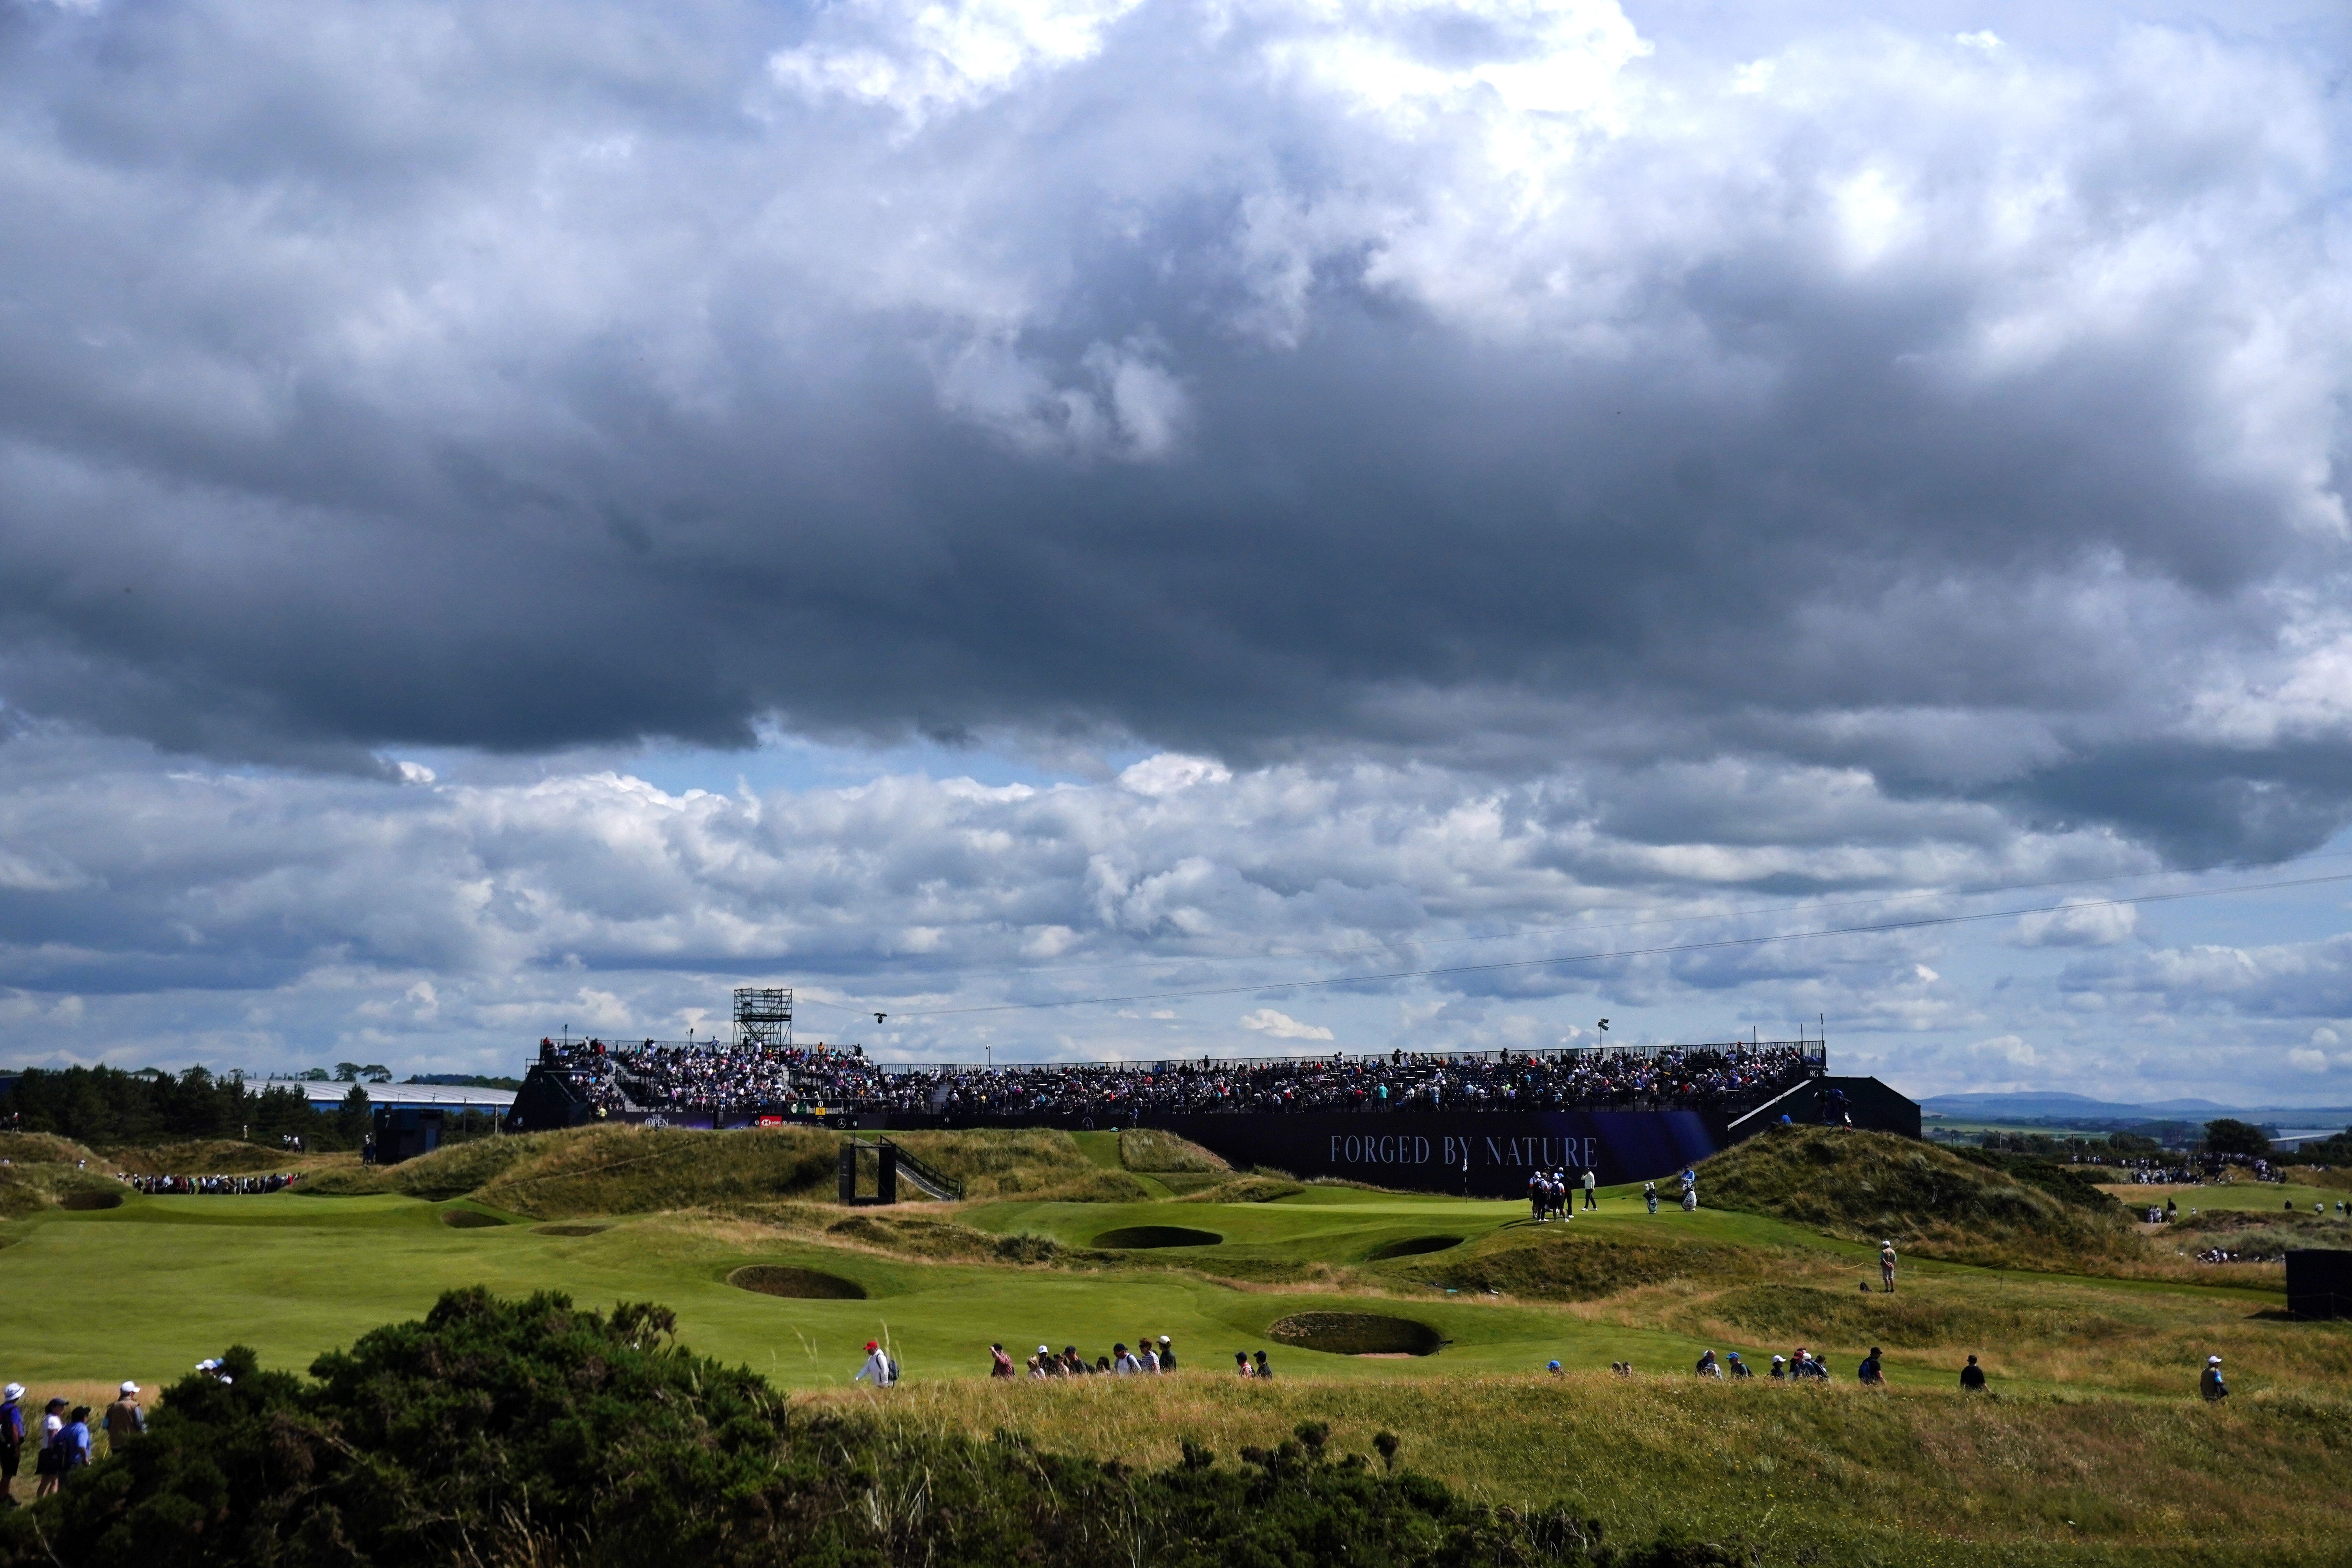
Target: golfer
x=1590, y=1182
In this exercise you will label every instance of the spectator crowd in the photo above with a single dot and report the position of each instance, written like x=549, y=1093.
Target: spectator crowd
x=653, y=1075
x=156, y=1186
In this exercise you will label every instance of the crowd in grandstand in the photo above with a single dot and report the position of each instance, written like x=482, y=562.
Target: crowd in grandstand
x=656, y=1076
x=164, y=1186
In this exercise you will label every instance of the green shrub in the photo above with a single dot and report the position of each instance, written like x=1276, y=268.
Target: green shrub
x=535, y=1432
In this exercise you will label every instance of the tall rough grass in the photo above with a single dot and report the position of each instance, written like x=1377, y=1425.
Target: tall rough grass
x=1149, y=1149
x=1872, y=1186
x=1816, y=1474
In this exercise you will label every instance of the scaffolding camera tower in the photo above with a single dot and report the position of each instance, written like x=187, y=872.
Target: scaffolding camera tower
x=763, y=1016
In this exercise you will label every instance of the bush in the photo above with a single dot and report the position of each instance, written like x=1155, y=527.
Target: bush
x=532, y=1431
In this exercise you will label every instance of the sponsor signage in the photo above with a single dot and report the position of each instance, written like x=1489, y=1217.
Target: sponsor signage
x=1484, y=1153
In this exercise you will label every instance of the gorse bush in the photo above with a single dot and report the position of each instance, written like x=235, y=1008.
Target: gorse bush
x=534, y=1432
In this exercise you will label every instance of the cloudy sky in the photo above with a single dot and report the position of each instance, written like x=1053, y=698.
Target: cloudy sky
x=526, y=517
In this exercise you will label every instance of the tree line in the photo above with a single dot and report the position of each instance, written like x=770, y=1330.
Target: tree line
x=104, y=1105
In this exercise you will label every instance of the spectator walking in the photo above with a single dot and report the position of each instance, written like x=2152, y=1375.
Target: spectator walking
x=1972, y=1377
x=1146, y=1356
x=1887, y=1265
x=877, y=1366
x=999, y=1363
x=1263, y=1370
x=1740, y=1368
x=74, y=1443
x=12, y=1440
x=1167, y=1355
x=1707, y=1365
x=1590, y=1182
x=1242, y=1367
x=2210, y=1386
x=1779, y=1372
x=47, y=1459
x=124, y=1419
x=1870, y=1373
x=1122, y=1363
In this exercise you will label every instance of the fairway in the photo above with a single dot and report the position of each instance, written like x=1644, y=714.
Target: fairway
x=162, y=1282
x=147, y=1289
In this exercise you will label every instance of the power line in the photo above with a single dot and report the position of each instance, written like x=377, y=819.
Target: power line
x=1922, y=923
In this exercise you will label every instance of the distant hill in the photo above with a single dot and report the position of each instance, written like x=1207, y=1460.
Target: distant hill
x=2055, y=1105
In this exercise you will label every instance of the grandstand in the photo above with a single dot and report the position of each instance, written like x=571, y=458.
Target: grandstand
x=1445, y=1120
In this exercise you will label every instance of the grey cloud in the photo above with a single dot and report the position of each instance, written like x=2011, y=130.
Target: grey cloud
x=412, y=375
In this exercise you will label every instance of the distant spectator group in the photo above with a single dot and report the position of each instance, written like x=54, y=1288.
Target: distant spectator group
x=160, y=1186
x=656, y=1075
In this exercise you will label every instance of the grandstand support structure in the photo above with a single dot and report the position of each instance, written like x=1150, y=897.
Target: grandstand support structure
x=763, y=1016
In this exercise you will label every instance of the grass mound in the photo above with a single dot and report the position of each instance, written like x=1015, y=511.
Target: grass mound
x=28, y=1189
x=1355, y=1333
x=1251, y=1189
x=1562, y=1263
x=1023, y=1163
x=796, y=1284
x=1143, y=1237
x=645, y=1170
x=1868, y=1186
x=1149, y=1149
x=46, y=1149
x=200, y=1157
x=456, y=1169
x=345, y=1182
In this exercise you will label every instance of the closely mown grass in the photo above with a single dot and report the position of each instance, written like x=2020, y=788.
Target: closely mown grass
x=1828, y=1475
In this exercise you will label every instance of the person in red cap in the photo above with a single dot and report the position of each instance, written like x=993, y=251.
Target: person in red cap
x=878, y=1367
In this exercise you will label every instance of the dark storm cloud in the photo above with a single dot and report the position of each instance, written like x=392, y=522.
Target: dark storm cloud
x=1448, y=379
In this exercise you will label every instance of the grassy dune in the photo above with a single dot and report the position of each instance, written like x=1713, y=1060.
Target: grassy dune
x=1930, y=1201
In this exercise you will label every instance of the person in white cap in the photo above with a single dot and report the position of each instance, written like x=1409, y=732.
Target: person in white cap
x=124, y=1419
x=2210, y=1386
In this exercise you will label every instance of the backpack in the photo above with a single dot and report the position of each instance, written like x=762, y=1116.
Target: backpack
x=894, y=1367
